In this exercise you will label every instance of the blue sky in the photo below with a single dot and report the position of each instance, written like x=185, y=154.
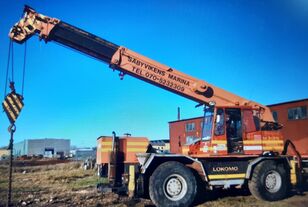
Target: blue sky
x=256, y=49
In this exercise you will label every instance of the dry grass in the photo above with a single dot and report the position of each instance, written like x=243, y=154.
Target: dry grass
x=69, y=185
x=47, y=185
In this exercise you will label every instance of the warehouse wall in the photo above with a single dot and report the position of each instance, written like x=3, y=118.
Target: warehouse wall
x=38, y=146
x=20, y=148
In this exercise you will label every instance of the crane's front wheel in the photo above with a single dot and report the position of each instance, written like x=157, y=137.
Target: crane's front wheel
x=269, y=181
x=172, y=184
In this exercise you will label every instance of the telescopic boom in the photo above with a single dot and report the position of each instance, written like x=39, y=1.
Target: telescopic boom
x=127, y=61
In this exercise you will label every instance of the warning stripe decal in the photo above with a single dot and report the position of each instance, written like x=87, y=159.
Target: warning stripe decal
x=106, y=150
x=136, y=150
x=145, y=144
x=12, y=106
x=12, y=100
x=278, y=148
x=263, y=142
x=219, y=142
x=106, y=143
x=272, y=142
x=19, y=103
x=252, y=141
x=255, y=147
x=226, y=176
x=8, y=112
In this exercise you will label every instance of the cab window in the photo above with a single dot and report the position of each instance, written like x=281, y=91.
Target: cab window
x=219, y=122
x=207, y=123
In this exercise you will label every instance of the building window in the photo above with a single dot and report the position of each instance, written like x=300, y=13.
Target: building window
x=275, y=116
x=190, y=127
x=297, y=113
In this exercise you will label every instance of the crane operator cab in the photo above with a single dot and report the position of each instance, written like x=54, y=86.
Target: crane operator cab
x=234, y=130
x=225, y=128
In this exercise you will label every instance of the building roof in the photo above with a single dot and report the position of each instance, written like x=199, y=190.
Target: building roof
x=85, y=149
x=199, y=117
x=44, y=139
x=48, y=139
x=160, y=142
x=288, y=102
x=277, y=104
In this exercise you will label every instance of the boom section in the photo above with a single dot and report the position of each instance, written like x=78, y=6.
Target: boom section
x=52, y=29
x=161, y=75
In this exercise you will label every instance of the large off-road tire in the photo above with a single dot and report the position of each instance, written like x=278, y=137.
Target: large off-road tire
x=269, y=182
x=172, y=184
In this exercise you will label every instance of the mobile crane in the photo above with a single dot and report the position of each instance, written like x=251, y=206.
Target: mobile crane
x=241, y=144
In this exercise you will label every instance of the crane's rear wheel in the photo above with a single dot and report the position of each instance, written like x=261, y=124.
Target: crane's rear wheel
x=172, y=184
x=269, y=181
x=273, y=181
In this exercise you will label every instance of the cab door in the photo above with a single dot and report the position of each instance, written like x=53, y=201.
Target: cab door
x=219, y=142
x=234, y=130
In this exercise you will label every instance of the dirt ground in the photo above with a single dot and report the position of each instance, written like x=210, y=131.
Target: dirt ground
x=67, y=184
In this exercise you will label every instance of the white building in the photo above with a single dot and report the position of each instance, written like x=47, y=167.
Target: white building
x=47, y=147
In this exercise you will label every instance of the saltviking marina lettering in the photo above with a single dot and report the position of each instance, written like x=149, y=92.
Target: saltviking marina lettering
x=141, y=64
x=180, y=80
x=146, y=66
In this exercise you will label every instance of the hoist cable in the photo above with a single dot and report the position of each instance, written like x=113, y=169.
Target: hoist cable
x=7, y=67
x=12, y=56
x=24, y=70
x=12, y=129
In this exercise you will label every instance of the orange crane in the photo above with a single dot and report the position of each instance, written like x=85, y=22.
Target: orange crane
x=240, y=144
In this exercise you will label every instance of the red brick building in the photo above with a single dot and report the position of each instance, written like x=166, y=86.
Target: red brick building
x=181, y=132
x=294, y=118
x=292, y=115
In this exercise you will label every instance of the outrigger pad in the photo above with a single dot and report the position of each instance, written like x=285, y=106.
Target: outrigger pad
x=12, y=105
